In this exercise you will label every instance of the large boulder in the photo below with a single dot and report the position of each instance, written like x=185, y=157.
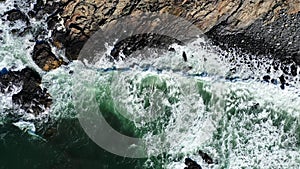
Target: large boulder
x=16, y=14
x=44, y=57
x=191, y=164
x=31, y=98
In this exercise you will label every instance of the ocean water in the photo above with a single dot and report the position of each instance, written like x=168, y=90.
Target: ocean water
x=216, y=102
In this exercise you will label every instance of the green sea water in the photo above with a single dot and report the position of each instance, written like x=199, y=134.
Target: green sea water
x=240, y=123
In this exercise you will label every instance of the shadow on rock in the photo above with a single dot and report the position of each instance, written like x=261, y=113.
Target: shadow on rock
x=44, y=58
x=31, y=98
x=16, y=14
x=191, y=164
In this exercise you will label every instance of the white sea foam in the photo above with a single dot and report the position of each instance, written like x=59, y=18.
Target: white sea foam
x=15, y=54
x=248, y=139
x=244, y=143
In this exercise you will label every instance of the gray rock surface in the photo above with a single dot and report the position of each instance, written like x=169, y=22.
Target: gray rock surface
x=259, y=27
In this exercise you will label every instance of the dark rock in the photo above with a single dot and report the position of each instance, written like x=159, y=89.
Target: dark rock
x=16, y=14
x=59, y=38
x=3, y=72
x=278, y=36
x=191, y=164
x=267, y=78
x=32, y=98
x=52, y=22
x=50, y=132
x=44, y=58
x=206, y=157
x=15, y=31
x=184, y=56
x=73, y=48
x=141, y=41
x=24, y=31
x=294, y=70
x=283, y=82
x=31, y=14
x=44, y=8
x=274, y=81
x=231, y=24
x=282, y=79
x=38, y=6
x=172, y=50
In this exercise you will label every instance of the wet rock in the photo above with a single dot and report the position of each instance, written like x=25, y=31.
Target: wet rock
x=184, y=56
x=73, y=48
x=44, y=58
x=206, y=157
x=38, y=5
x=59, y=38
x=42, y=8
x=3, y=71
x=22, y=32
x=141, y=41
x=272, y=32
x=31, y=14
x=50, y=132
x=282, y=81
x=16, y=14
x=31, y=98
x=274, y=81
x=52, y=22
x=191, y=164
x=266, y=78
x=259, y=27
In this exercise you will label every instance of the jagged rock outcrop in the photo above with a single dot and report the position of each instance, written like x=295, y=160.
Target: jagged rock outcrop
x=44, y=58
x=191, y=164
x=16, y=14
x=42, y=54
x=259, y=27
x=206, y=157
x=31, y=98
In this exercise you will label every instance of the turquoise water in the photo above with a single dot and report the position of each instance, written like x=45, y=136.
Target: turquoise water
x=241, y=123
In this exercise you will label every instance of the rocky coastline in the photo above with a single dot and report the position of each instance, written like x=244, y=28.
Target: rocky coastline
x=266, y=28
x=254, y=27
x=257, y=27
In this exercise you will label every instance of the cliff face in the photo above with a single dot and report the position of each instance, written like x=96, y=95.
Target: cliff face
x=258, y=27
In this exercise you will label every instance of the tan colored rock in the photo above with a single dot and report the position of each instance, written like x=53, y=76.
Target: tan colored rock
x=44, y=58
x=52, y=64
x=83, y=18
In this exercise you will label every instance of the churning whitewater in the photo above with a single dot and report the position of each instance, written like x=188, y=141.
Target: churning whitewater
x=208, y=100
x=242, y=120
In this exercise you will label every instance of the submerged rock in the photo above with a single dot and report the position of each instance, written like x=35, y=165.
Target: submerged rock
x=43, y=8
x=31, y=98
x=191, y=164
x=206, y=157
x=3, y=71
x=138, y=42
x=16, y=14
